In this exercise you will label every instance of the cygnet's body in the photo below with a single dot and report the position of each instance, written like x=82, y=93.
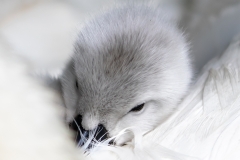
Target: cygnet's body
x=130, y=70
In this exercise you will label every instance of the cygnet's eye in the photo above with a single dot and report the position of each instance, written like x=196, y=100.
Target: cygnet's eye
x=76, y=84
x=137, y=108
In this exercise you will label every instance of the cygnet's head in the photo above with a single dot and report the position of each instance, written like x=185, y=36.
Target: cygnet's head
x=130, y=69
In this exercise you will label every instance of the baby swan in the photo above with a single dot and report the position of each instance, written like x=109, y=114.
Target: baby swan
x=130, y=69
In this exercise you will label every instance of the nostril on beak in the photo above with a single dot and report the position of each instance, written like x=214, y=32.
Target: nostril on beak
x=96, y=135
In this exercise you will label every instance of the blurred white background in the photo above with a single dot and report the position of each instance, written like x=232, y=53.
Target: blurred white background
x=43, y=31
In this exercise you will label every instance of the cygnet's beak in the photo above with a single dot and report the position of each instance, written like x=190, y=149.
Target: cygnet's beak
x=83, y=136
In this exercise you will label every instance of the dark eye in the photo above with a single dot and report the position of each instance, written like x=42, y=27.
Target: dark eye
x=137, y=108
x=76, y=84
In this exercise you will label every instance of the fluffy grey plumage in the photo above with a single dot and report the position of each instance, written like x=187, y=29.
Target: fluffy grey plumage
x=124, y=58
